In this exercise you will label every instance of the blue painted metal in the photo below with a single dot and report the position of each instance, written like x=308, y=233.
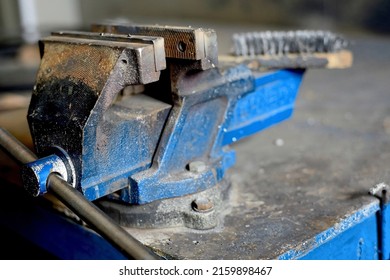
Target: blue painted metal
x=381, y=192
x=354, y=238
x=143, y=146
x=271, y=102
x=57, y=235
x=41, y=169
x=120, y=142
x=385, y=231
x=207, y=116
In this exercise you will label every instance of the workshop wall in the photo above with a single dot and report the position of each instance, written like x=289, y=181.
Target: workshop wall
x=369, y=14
x=9, y=18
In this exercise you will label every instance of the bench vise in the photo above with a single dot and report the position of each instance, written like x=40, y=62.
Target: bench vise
x=140, y=119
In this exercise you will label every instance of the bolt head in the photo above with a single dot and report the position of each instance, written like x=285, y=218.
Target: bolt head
x=202, y=204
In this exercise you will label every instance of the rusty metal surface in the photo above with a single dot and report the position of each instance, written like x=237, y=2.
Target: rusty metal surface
x=79, y=62
x=79, y=79
x=187, y=43
x=199, y=210
x=157, y=52
x=306, y=175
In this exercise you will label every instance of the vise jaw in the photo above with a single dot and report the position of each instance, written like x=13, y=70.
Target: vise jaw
x=144, y=116
x=77, y=86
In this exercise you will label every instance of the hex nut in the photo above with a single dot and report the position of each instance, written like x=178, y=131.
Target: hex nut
x=202, y=205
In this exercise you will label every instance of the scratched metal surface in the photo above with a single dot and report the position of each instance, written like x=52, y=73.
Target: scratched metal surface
x=295, y=180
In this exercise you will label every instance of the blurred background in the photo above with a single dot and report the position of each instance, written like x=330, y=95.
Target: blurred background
x=30, y=19
x=371, y=15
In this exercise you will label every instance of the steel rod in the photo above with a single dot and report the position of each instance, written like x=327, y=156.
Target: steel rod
x=86, y=210
x=14, y=148
x=93, y=216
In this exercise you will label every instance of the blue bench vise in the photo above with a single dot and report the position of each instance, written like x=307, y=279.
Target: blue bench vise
x=143, y=124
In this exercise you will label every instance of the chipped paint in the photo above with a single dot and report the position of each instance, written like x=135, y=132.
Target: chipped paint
x=337, y=230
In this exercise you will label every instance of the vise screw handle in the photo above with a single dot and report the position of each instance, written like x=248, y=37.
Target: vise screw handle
x=87, y=211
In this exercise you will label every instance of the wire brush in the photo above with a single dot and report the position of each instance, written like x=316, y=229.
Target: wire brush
x=290, y=49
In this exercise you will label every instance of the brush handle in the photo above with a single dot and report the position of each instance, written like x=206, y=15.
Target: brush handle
x=336, y=60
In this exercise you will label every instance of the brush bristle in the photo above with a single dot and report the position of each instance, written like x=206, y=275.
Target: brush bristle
x=286, y=42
